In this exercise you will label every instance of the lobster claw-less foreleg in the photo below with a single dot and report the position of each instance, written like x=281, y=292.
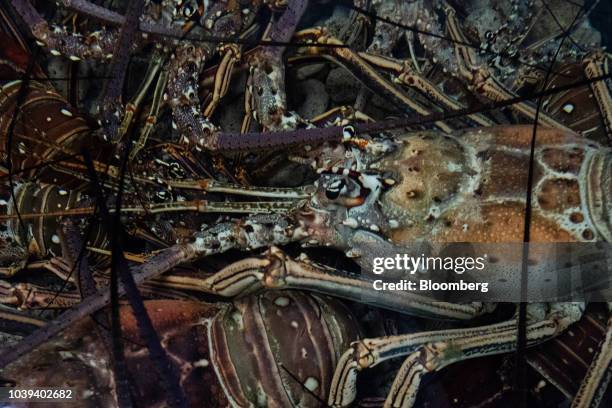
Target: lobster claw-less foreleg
x=430, y=351
x=276, y=270
x=28, y=296
x=266, y=96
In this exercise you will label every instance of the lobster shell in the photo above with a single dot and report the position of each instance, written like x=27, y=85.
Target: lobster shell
x=40, y=123
x=472, y=187
x=275, y=350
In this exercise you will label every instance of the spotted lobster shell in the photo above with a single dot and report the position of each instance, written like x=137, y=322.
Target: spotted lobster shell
x=472, y=187
x=278, y=349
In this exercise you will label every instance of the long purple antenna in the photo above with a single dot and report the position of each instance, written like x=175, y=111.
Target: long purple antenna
x=232, y=141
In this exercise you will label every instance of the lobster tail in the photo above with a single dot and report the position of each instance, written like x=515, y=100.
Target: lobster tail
x=30, y=218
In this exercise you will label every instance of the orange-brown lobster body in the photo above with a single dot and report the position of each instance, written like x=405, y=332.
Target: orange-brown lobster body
x=472, y=187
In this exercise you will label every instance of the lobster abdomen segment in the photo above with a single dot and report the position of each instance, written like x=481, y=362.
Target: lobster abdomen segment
x=30, y=222
x=275, y=349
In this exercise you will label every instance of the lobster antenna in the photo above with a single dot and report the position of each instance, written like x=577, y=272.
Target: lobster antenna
x=165, y=368
x=234, y=142
x=73, y=158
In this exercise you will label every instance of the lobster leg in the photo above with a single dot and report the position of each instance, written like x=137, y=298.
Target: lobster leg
x=17, y=323
x=408, y=76
x=132, y=106
x=430, y=351
x=7, y=295
x=362, y=70
x=152, y=116
x=481, y=79
x=341, y=115
x=213, y=186
x=494, y=339
x=231, y=55
x=593, y=388
x=55, y=265
x=28, y=296
x=203, y=206
x=10, y=270
x=275, y=270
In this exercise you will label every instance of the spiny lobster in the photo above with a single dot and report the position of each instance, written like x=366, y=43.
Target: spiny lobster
x=372, y=188
x=329, y=217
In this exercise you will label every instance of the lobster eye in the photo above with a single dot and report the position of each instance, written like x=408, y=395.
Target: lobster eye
x=348, y=132
x=332, y=194
x=188, y=11
x=333, y=190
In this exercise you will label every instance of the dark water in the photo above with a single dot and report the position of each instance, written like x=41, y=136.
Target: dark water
x=601, y=18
